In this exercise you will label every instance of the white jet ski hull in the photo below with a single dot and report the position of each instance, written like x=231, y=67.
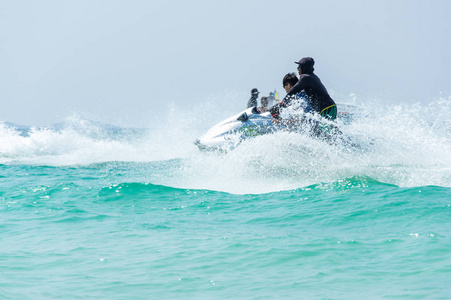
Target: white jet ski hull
x=229, y=133
x=250, y=123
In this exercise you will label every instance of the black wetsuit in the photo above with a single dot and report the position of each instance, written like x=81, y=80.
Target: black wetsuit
x=315, y=90
x=317, y=94
x=252, y=101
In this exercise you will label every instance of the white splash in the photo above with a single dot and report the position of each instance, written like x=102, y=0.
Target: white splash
x=399, y=144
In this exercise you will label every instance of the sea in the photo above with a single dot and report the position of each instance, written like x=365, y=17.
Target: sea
x=90, y=210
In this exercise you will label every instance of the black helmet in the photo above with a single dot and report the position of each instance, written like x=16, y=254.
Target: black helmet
x=255, y=91
x=306, y=65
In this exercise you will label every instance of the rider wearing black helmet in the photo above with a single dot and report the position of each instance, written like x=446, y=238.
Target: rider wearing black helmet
x=320, y=100
x=317, y=94
x=253, y=100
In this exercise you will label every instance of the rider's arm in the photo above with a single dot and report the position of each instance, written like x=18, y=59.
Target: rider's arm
x=275, y=110
x=299, y=86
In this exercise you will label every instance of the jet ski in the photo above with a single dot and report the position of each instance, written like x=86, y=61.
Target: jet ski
x=229, y=133
x=250, y=123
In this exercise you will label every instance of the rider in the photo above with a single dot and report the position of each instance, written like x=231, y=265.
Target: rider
x=264, y=102
x=253, y=100
x=288, y=82
x=315, y=91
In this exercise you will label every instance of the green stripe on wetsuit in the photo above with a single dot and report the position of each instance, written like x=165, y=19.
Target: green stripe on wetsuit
x=330, y=112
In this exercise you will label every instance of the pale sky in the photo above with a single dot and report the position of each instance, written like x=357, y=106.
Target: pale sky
x=124, y=61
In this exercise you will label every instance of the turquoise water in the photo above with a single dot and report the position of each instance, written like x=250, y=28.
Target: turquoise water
x=92, y=212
